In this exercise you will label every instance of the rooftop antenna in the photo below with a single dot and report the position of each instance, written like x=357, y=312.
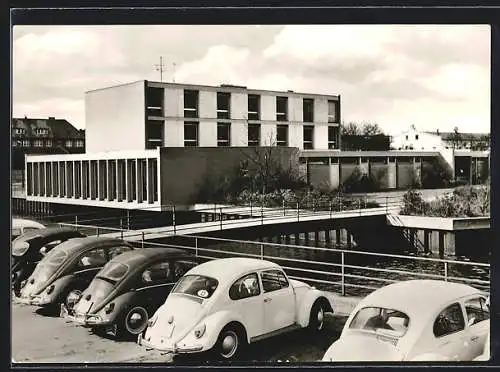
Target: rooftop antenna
x=173, y=75
x=160, y=68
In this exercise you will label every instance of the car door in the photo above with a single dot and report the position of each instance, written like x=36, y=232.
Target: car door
x=278, y=299
x=478, y=325
x=155, y=283
x=246, y=300
x=450, y=335
x=88, y=265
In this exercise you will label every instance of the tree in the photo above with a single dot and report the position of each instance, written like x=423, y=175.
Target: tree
x=456, y=137
x=371, y=129
x=351, y=129
x=364, y=128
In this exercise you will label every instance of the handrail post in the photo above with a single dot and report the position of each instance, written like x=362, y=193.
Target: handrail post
x=97, y=230
x=262, y=215
x=331, y=207
x=121, y=234
x=76, y=221
x=128, y=219
x=262, y=251
x=386, y=204
x=446, y=271
x=142, y=240
x=342, y=289
x=121, y=224
x=340, y=202
x=284, y=212
x=196, y=246
x=173, y=218
x=220, y=217
x=251, y=215
x=298, y=212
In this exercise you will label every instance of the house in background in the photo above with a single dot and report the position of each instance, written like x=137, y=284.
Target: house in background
x=465, y=141
x=417, y=140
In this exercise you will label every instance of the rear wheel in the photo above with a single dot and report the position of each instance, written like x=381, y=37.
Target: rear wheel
x=136, y=320
x=317, y=317
x=230, y=343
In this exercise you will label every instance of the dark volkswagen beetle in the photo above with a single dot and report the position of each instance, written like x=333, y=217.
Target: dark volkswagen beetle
x=129, y=289
x=30, y=247
x=69, y=268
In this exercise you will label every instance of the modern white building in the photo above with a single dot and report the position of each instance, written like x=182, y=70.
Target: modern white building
x=414, y=139
x=145, y=115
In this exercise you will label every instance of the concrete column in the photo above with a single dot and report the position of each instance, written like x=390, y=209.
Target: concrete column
x=316, y=237
x=441, y=243
x=118, y=181
x=48, y=178
x=138, y=180
x=337, y=237
x=296, y=238
x=327, y=238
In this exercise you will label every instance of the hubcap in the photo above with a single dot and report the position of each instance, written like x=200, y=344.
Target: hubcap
x=229, y=344
x=137, y=320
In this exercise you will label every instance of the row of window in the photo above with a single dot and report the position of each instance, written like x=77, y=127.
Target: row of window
x=191, y=106
x=38, y=131
x=154, y=135
x=46, y=143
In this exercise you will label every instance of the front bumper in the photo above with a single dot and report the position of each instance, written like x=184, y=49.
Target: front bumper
x=168, y=349
x=86, y=320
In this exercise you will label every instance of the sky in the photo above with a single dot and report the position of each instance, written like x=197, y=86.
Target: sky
x=431, y=76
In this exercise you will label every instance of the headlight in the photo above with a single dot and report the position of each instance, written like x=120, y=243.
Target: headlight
x=200, y=330
x=109, y=308
x=50, y=289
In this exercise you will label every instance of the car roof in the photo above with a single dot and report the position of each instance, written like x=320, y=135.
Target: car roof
x=78, y=245
x=230, y=268
x=22, y=222
x=147, y=254
x=43, y=233
x=419, y=296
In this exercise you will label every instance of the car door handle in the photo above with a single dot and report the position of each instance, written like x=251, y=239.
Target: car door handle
x=267, y=299
x=474, y=338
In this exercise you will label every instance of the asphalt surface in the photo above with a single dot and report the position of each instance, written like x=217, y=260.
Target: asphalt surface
x=38, y=337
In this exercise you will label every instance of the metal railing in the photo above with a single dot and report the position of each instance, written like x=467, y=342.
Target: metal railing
x=338, y=269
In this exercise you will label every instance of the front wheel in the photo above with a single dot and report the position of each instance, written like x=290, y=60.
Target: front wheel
x=230, y=343
x=136, y=320
x=317, y=317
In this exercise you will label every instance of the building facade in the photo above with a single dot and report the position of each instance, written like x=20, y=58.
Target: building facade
x=145, y=115
x=414, y=139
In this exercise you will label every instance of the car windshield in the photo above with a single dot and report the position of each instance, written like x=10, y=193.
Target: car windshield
x=50, y=263
x=196, y=285
x=113, y=271
x=379, y=318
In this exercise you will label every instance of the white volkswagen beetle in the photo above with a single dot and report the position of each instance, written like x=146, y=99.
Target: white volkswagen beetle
x=222, y=305
x=415, y=320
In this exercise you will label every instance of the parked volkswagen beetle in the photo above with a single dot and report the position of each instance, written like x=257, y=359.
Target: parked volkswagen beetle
x=68, y=269
x=222, y=305
x=415, y=320
x=29, y=248
x=129, y=289
x=21, y=225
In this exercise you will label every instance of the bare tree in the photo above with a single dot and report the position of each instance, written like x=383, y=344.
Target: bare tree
x=351, y=129
x=366, y=128
x=371, y=129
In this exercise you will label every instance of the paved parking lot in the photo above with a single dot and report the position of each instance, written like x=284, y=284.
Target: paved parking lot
x=39, y=338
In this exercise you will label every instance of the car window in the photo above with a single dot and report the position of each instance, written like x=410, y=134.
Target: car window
x=29, y=228
x=196, y=285
x=158, y=273
x=181, y=267
x=115, y=251
x=16, y=232
x=94, y=258
x=373, y=318
x=247, y=286
x=272, y=280
x=476, y=310
x=449, y=321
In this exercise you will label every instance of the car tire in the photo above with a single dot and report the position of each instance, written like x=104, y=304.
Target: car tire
x=317, y=317
x=230, y=343
x=136, y=320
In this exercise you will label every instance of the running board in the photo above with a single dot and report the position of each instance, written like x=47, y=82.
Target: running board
x=280, y=331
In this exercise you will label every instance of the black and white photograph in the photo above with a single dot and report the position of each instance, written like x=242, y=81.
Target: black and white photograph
x=197, y=194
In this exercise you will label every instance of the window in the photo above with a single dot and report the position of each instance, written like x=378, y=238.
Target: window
x=79, y=143
x=69, y=143
x=273, y=280
x=253, y=107
x=333, y=137
x=281, y=108
x=26, y=143
x=333, y=111
x=223, y=134
x=191, y=103
x=154, y=134
x=247, y=286
x=38, y=143
x=476, y=310
x=449, y=321
x=190, y=134
x=48, y=143
x=158, y=273
x=94, y=258
x=282, y=135
x=223, y=105
x=308, y=137
x=114, y=271
x=406, y=137
x=253, y=134
x=20, y=131
x=154, y=101
x=115, y=251
x=416, y=136
x=308, y=110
